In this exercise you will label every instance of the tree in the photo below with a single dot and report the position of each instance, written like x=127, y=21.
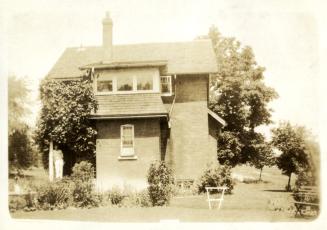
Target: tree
x=20, y=152
x=262, y=155
x=17, y=103
x=290, y=141
x=238, y=95
x=64, y=119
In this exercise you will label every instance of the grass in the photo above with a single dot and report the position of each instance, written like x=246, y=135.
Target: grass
x=249, y=202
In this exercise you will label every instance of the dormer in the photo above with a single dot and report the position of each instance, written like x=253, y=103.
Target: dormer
x=130, y=78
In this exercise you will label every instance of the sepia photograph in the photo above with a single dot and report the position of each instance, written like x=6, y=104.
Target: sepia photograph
x=161, y=112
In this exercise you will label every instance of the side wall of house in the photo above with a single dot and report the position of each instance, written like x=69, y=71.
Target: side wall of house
x=112, y=171
x=191, y=147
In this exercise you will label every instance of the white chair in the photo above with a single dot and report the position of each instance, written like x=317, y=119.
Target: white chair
x=219, y=199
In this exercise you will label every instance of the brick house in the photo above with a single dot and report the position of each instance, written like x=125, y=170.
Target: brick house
x=152, y=106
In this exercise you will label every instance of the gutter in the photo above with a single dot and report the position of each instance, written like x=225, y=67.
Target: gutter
x=126, y=117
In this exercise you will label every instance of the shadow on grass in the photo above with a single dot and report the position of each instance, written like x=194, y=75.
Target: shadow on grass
x=276, y=190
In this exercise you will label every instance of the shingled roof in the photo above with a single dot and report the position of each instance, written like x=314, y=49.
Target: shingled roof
x=129, y=105
x=181, y=57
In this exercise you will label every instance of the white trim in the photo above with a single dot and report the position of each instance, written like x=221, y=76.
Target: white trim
x=218, y=118
x=123, y=151
x=116, y=91
x=170, y=93
x=126, y=117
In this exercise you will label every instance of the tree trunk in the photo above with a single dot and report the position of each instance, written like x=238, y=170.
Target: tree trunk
x=260, y=174
x=289, y=182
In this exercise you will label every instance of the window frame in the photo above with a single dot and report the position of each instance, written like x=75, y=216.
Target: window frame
x=170, y=93
x=115, y=86
x=123, y=150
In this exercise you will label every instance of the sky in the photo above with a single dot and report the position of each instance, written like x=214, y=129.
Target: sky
x=284, y=36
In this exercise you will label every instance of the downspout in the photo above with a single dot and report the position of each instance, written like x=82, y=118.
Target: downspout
x=172, y=106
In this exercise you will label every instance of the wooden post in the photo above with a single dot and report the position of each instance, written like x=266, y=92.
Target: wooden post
x=51, y=161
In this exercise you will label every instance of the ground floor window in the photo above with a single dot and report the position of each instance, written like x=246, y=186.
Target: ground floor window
x=127, y=140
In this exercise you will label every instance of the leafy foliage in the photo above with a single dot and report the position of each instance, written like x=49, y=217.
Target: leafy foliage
x=215, y=176
x=239, y=96
x=66, y=106
x=17, y=103
x=160, y=179
x=83, y=193
x=290, y=141
x=260, y=153
x=56, y=194
x=21, y=154
x=229, y=148
x=83, y=171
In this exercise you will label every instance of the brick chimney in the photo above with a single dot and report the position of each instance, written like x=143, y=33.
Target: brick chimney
x=107, y=37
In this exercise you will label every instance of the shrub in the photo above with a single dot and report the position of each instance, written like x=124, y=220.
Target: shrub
x=16, y=203
x=144, y=199
x=83, y=171
x=214, y=176
x=160, y=181
x=116, y=196
x=83, y=193
x=55, y=194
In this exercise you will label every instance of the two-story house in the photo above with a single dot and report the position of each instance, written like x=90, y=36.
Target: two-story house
x=152, y=106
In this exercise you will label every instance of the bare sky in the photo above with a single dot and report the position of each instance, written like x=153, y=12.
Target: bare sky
x=283, y=34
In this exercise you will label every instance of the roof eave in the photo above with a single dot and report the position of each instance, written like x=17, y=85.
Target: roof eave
x=217, y=118
x=127, y=116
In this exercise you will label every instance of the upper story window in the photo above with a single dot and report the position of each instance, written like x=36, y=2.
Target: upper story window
x=144, y=82
x=125, y=83
x=165, y=85
x=104, y=86
x=127, y=140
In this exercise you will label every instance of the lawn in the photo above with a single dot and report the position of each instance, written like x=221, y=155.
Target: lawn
x=265, y=201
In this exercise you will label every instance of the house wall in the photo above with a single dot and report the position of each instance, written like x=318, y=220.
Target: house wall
x=114, y=172
x=191, y=147
x=191, y=88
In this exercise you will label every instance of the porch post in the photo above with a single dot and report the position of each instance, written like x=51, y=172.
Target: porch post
x=51, y=161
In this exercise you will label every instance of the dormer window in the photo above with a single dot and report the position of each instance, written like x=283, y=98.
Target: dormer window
x=125, y=83
x=144, y=82
x=104, y=86
x=165, y=85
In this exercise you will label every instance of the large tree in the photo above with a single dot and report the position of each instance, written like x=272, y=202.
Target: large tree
x=64, y=119
x=18, y=94
x=291, y=142
x=240, y=96
x=20, y=151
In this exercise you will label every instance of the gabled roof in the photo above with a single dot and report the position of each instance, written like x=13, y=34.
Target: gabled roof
x=181, y=57
x=130, y=105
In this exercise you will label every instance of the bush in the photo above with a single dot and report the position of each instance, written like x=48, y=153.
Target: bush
x=144, y=199
x=214, y=176
x=83, y=193
x=116, y=196
x=17, y=203
x=55, y=194
x=160, y=181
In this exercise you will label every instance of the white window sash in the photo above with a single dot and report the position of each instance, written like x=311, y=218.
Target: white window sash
x=168, y=82
x=127, y=151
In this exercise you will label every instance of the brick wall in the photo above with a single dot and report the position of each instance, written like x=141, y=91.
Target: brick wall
x=191, y=88
x=112, y=171
x=190, y=146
